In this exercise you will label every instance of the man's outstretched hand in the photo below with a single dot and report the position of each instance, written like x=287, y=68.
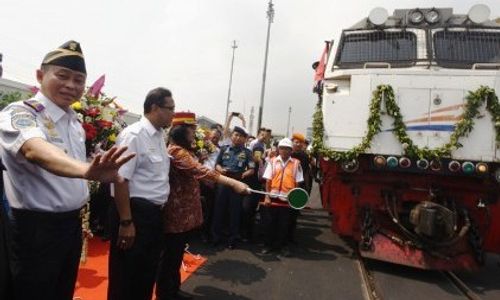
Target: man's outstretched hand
x=104, y=167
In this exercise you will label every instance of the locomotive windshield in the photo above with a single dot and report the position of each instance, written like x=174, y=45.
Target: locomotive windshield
x=449, y=48
x=462, y=49
x=399, y=48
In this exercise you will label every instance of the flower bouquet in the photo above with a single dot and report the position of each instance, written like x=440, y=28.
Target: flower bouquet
x=101, y=117
x=203, y=144
x=102, y=120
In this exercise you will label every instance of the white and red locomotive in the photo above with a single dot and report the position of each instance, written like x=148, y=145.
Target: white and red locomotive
x=407, y=135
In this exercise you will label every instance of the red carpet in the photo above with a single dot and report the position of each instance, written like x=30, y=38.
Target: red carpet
x=92, y=280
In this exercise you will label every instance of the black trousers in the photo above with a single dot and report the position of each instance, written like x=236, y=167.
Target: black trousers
x=276, y=225
x=132, y=272
x=46, y=249
x=168, y=281
x=227, y=199
x=207, y=202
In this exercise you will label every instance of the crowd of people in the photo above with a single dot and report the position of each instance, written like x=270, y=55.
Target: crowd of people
x=157, y=190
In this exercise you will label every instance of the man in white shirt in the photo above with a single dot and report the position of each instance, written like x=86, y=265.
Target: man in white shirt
x=136, y=218
x=43, y=150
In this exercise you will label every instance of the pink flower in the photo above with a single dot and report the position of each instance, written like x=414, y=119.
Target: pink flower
x=96, y=87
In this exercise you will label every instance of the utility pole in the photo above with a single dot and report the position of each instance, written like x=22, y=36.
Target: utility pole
x=234, y=46
x=270, y=17
x=250, y=123
x=288, y=124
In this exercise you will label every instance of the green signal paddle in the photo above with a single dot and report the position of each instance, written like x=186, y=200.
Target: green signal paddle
x=297, y=198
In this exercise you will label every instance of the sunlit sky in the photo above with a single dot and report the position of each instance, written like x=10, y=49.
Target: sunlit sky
x=185, y=45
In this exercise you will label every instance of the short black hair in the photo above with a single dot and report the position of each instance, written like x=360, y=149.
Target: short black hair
x=217, y=130
x=262, y=129
x=269, y=130
x=178, y=135
x=156, y=96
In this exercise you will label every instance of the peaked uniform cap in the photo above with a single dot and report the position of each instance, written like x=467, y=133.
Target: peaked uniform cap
x=184, y=118
x=240, y=130
x=68, y=55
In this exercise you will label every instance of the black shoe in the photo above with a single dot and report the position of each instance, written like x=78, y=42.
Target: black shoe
x=231, y=246
x=182, y=295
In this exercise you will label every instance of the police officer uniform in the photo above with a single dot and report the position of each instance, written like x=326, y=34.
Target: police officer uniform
x=44, y=208
x=132, y=272
x=236, y=160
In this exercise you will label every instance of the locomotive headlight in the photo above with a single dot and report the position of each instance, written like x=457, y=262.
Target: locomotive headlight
x=379, y=161
x=432, y=16
x=468, y=167
x=454, y=166
x=435, y=165
x=416, y=16
x=497, y=175
x=422, y=164
x=350, y=166
x=392, y=162
x=404, y=162
x=482, y=168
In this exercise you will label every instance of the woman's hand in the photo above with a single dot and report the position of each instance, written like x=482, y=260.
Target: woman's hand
x=240, y=187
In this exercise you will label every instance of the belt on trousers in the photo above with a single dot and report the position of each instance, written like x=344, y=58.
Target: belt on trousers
x=47, y=214
x=147, y=203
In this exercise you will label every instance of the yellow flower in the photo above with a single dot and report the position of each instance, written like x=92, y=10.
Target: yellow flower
x=112, y=138
x=77, y=105
x=199, y=144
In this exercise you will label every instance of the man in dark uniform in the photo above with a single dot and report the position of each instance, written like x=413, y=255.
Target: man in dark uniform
x=298, y=152
x=234, y=161
x=43, y=150
x=5, y=278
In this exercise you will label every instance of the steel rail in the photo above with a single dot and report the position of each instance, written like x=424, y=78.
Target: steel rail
x=369, y=289
x=459, y=284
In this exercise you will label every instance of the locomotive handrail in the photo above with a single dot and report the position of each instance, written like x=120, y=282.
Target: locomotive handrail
x=486, y=66
x=376, y=65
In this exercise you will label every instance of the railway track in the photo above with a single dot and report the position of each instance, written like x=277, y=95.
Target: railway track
x=448, y=282
x=459, y=284
x=369, y=289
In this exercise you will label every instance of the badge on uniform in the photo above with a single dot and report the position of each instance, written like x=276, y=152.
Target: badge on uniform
x=51, y=129
x=23, y=120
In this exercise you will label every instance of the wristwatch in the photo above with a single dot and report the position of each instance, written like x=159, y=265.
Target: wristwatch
x=126, y=223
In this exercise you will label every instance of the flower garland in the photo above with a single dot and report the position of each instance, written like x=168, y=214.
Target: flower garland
x=385, y=93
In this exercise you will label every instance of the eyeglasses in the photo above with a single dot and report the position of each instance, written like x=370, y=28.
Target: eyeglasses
x=171, y=108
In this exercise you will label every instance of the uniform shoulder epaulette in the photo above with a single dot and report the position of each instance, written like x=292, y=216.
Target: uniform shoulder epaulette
x=35, y=104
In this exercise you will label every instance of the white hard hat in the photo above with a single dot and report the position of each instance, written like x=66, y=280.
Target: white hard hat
x=286, y=142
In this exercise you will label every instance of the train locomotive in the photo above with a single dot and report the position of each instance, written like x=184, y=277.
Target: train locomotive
x=407, y=136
